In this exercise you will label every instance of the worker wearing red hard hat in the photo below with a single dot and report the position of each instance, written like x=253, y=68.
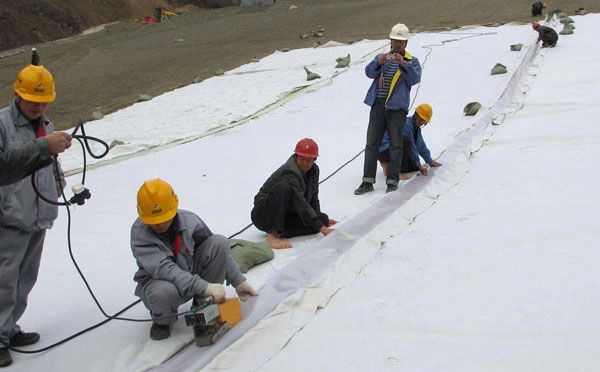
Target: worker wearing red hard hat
x=546, y=35
x=287, y=205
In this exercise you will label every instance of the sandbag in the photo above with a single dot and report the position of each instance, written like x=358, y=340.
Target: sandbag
x=285, y=49
x=144, y=97
x=499, y=69
x=516, y=47
x=567, y=20
x=97, y=115
x=219, y=72
x=566, y=30
x=472, y=108
x=311, y=75
x=304, y=36
x=248, y=254
x=343, y=61
x=562, y=14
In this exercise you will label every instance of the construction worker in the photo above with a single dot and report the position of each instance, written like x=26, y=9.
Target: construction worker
x=287, y=204
x=21, y=162
x=546, y=35
x=536, y=8
x=393, y=74
x=413, y=144
x=24, y=217
x=178, y=257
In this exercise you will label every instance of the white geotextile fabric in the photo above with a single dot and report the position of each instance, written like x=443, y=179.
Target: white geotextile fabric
x=290, y=298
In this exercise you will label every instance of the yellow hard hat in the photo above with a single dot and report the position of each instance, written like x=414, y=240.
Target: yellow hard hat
x=35, y=84
x=544, y=5
x=424, y=111
x=156, y=202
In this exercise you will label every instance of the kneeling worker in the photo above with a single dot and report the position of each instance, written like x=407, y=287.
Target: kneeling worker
x=178, y=257
x=413, y=144
x=546, y=35
x=287, y=205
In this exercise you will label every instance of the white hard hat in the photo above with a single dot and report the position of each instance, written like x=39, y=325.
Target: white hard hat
x=399, y=32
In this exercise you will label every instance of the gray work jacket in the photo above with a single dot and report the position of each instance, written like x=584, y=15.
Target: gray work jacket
x=154, y=257
x=19, y=163
x=20, y=207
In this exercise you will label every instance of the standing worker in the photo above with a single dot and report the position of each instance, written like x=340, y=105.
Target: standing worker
x=24, y=217
x=536, y=8
x=178, y=257
x=287, y=205
x=393, y=74
x=413, y=144
x=546, y=34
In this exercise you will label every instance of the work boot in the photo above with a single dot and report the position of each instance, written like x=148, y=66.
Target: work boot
x=159, y=332
x=391, y=188
x=24, y=339
x=5, y=358
x=364, y=188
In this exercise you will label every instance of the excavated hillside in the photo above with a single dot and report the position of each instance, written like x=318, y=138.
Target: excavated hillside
x=109, y=69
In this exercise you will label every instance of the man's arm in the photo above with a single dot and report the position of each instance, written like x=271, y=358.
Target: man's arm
x=17, y=164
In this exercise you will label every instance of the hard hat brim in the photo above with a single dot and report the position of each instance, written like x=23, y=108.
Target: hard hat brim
x=306, y=154
x=36, y=98
x=154, y=220
x=399, y=38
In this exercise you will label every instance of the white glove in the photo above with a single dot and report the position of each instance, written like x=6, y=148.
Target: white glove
x=216, y=291
x=244, y=290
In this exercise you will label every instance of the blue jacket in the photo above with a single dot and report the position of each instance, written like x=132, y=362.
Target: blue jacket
x=417, y=143
x=399, y=95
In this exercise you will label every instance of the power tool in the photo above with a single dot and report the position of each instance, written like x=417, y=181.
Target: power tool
x=211, y=321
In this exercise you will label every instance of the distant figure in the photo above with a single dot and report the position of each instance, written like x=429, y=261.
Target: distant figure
x=536, y=8
x=287, y=205
x=547, y=35
x=393, y=74
x=413, y=144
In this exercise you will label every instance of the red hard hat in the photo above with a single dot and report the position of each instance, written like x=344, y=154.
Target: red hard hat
x=307, y=147
x=535, y=25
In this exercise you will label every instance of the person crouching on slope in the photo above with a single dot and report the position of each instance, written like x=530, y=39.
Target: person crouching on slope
x=413, y=144
x=287, y=205
x=547, y=35
x=179, y=258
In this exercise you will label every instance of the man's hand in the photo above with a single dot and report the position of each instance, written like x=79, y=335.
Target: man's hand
x=382, y=58
x=326, y=230
x=244, y=290
x=434, y=163
x=216, y=291
x=58, y=142
x=423, y=170
x=399, y=58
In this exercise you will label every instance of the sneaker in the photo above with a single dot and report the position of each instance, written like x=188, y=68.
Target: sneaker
x=364, y=188
x=5, y=358
x=159, y=332
x=391, y=188
x=24, y=339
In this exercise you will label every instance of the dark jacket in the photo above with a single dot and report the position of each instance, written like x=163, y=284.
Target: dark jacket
x=547, y=34
x=306, y=190
x=19, y=163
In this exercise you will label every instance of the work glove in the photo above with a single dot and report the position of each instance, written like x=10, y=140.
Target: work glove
x=244, y=290
x=216, y=291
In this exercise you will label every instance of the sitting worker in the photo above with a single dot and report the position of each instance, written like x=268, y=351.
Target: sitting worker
x=24, y=217
x=287, y=205
x=536, y=8
x=178, y=257
x=35, y=154
x=413, y=144
x=547, y=35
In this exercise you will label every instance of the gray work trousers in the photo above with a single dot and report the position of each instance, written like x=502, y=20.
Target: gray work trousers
x=380, y=120
x=210, y=262
x=20, y=255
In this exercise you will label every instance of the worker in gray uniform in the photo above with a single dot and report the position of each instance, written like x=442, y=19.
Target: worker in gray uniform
x=179, y=258
x=24, y=217
x=19, y=163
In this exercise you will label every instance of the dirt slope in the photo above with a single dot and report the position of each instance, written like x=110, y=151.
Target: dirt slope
x=109, y=69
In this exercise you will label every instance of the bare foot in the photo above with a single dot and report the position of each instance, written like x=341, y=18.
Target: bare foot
x=276, y=242
x=403, y=177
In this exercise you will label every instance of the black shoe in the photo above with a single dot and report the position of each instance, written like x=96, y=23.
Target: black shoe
x=5, y=358
x=24, y=339
x=159, y=332
x=364, y=188
x=391, y=188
